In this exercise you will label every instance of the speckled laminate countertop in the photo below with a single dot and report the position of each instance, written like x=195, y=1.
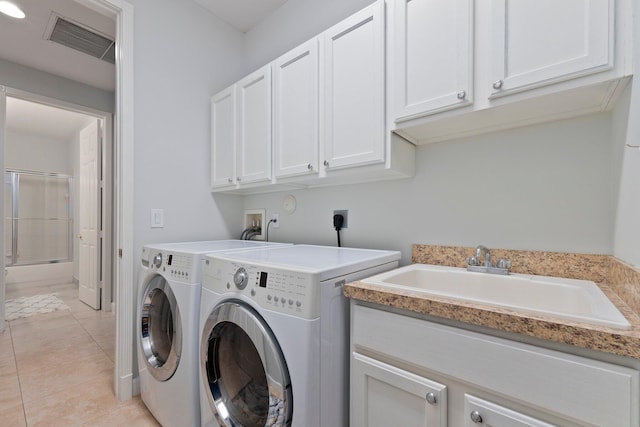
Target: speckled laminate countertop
x=619, y=282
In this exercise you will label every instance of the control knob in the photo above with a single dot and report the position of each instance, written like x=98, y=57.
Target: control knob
x=157, y=260
x=241, y=278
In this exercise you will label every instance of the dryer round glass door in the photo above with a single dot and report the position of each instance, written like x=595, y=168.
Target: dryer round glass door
x=160, y=332
x=244, y=371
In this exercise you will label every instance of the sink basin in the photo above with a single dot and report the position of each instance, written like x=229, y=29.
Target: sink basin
x=570, y=299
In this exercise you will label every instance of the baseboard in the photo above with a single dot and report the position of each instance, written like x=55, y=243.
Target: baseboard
x=124, y=387
x=136, y=386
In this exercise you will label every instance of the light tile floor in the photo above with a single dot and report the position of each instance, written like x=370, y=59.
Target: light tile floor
x=56, y=369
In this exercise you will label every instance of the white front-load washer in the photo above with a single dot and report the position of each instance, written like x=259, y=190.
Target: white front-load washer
x=274, y=334
x=167, y=326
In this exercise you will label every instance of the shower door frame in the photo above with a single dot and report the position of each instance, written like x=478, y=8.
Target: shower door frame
x=15, y=208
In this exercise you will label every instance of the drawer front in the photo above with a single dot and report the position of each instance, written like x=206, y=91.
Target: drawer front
x=482, y=412
x=572, y=387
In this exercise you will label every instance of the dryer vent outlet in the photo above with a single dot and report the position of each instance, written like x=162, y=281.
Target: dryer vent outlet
x=253, y=225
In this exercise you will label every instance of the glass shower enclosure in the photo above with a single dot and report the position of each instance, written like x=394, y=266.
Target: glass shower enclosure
x=38, y=218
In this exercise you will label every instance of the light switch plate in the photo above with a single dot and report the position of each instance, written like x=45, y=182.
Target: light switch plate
x=157, y=218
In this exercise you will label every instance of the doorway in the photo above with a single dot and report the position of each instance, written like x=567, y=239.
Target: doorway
x=122, y=13
x=59, y=219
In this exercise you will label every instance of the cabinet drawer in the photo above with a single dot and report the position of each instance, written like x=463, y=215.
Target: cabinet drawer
x=573, y=387
x=481, y=412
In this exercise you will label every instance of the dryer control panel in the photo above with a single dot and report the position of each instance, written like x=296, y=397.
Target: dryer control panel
x=286, y=291
x=176, y=265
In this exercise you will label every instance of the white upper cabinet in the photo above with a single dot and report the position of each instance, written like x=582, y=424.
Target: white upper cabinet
x=354, y=121
x=433, y=67
x=464, y=67
x=297, y=111
x=254, y=127
x=315, y=116
x=537, y=42
x=223, y=138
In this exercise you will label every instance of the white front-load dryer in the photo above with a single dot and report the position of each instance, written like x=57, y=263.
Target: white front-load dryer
x=274, y=334
x=167, y=326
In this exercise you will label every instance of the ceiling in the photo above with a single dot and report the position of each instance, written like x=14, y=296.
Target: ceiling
x=28, y=46
x=52, y=123
x=242, y=14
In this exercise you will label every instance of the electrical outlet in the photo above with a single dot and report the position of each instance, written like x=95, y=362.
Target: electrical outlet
x=345, y=215
x=276, y=220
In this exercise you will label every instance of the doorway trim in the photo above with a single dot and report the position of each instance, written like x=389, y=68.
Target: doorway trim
x=123, y=135
x=107, y=166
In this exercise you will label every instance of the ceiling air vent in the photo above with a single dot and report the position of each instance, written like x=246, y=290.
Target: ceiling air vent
x=81, y=38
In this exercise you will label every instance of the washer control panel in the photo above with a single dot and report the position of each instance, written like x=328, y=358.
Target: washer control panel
x=285, y=291
x=183, y=267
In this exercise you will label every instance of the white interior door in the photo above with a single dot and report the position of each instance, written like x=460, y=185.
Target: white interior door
x=89, y=280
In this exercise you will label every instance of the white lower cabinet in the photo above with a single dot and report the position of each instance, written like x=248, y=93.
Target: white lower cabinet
x=383, y=395
x=411, y=372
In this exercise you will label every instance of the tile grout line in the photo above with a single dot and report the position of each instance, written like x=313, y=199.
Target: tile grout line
x=15, y=362
x=92, y=337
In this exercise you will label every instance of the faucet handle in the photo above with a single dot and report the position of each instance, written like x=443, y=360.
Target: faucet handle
x=472, y=260
x=503, y=263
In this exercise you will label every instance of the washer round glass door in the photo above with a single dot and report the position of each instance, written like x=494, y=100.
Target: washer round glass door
x=244, y=371
x=161, y=331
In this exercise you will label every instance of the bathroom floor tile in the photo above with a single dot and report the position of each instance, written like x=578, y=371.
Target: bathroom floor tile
x=56, y=369
x=9, y=391
x=6, y=343
x=44, y=381
x=41, y=323
x=13, y=416
x=58, y=352
x=134, y=411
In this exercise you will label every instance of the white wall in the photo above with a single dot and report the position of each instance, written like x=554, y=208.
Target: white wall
x=37, y=153
x=544, y=187
x=184, y=54
x=38, y=82
x=627, y=127
x=293, y=23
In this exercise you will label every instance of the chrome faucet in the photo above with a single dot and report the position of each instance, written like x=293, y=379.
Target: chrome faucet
x=482, y=264
x=487, y=255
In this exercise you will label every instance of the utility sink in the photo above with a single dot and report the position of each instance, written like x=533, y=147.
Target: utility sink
x=574, y=300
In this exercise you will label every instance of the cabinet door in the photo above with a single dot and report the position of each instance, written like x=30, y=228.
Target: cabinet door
x=383, y=395
x=536, y=42
x=433, y=49
x=254, y=127
x=297, y=115
x=223, y=138
x=482, y=412
x=354, y=90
